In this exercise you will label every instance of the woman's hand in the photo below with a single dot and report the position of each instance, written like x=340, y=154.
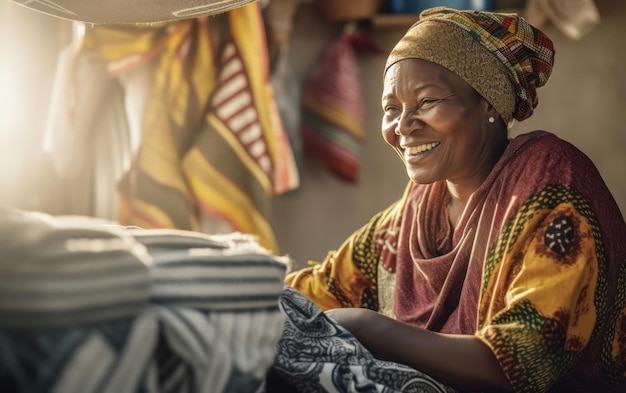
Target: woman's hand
x=455, y=360
x=353, y=318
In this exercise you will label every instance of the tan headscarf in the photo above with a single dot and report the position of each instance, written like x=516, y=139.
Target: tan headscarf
x=500, y=55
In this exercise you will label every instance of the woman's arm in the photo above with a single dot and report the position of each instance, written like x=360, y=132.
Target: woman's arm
x=459, y=361
x=342, y=279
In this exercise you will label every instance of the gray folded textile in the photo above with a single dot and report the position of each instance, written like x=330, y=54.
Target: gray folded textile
x=90, y=306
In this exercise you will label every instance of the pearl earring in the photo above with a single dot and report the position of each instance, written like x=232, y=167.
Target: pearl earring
x=491, y=119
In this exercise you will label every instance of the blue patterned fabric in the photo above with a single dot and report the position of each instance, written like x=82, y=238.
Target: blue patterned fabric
x=317, y=355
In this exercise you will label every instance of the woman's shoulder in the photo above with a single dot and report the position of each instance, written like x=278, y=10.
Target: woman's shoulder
x=538, y=161
x=542, y=140
x=546, y=149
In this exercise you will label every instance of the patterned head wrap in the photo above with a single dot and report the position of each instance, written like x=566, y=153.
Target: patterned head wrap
x=501, y=56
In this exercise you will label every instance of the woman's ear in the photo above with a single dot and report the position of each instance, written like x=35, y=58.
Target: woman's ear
x=489, y=109
x=492, y=116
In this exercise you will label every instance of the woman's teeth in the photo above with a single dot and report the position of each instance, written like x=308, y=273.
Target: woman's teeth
x=421, y=148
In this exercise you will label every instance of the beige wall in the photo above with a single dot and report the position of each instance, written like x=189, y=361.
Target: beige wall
x=584, y=103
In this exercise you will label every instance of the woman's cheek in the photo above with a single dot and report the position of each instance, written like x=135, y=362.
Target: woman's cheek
x=389, y=135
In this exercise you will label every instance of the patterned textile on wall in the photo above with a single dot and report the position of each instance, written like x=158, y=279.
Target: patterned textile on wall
x=332, y=110
x=213, y=144
x=317, y=355
x=88, y=306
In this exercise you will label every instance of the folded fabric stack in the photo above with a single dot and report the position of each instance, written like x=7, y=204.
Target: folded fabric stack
x=87, y=305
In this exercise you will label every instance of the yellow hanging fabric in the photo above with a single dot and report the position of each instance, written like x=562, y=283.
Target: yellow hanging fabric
x=212, y=143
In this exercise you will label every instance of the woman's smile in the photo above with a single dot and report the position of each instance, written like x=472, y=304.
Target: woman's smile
x=414, y=152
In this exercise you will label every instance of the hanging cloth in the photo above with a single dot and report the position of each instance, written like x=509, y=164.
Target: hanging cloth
x=86, y=136
x=279, y=18
x=213, y=147
x=574, y=18
x=332, y=110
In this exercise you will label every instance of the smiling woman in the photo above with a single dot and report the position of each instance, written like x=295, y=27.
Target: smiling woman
x=437, y=125
x=501, y=268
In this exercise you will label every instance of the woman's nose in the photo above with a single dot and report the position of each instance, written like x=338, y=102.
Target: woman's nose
x=407, y=123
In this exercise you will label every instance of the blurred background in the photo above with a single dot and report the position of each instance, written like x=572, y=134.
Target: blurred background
x=583, y=103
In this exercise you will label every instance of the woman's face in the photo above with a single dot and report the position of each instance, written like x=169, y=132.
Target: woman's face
x=438, y=124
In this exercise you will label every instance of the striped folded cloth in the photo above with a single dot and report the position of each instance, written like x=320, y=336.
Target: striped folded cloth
x=122, y=309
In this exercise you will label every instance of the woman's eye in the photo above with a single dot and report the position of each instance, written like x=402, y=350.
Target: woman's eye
x=391, y=110
x=428, y=101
